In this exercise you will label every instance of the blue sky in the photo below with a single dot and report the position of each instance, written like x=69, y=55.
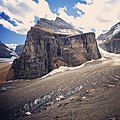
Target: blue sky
x=8, y=37
x=17, y=16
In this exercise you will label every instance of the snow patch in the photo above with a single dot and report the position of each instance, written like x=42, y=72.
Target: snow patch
x=60, y=97
x=63, y=69
x=83, y=97
x=36, y=101
x=116, y=62
x=11, y=46
x=28, y=113
x=10, y=60
x=117, y=76
x=4, y=88
x=67, y=31
x=12, y=52
x=111, y=85
x=106, y=54
x=117, y=30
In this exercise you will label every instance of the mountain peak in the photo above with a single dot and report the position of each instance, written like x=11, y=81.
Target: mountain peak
x=115, y=26
x=58, y=19
x=43, y=20
x=111, y=39
x=57, y=26
x=114, y=31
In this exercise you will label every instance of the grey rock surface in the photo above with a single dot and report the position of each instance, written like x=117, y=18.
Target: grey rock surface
x=57, y=26
x=45, y=51
x=19, y=49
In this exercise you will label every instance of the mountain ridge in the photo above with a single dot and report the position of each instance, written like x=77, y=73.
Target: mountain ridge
x=57, y=26
x=45, y=50
x=6, y=52
x=110, y=41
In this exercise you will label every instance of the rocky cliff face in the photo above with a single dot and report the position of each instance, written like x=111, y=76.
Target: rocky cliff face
x=45, y=51
x=19, y=49
x=111, y=39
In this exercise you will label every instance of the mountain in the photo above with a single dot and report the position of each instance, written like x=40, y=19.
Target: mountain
x=57, y=26
x=46, y=50
x=11, y=46
x=19, y=49
x=111, y=39
x=6, y=52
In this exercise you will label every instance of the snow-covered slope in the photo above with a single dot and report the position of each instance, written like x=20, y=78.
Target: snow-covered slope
x=107, y=55
x=110, y=41
x=11, y=46
x=57, y=26
x=6, y=52
x=7, y=59
x=114, y=30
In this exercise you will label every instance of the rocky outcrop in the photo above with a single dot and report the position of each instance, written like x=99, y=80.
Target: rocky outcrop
x=45, y=51
x=5, y=52
x=111, y=39
x=57, y=26
x=112, y=46
x=19, y=49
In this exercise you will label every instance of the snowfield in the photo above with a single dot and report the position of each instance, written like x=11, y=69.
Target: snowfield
x=8, y=59
x=11, y=46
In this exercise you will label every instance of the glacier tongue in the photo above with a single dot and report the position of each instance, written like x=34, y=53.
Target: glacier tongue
x=108, y=55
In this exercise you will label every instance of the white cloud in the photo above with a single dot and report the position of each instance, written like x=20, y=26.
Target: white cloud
x=24, y=11
x=89, y=2
x=7, y=24
x=78, y=12
x=62, y=14
x=100, y=15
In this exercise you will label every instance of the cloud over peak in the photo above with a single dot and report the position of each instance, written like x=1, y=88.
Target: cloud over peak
x=97, y=15
x=24, y=11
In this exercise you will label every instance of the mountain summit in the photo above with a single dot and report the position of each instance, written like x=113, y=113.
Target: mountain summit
x=57, y=26
x=58, y=19
x=112, y=33
x=111, y=39
x=45, y=49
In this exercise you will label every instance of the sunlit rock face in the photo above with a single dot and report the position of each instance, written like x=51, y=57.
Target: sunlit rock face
x=45, y=50
x=111, y=39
